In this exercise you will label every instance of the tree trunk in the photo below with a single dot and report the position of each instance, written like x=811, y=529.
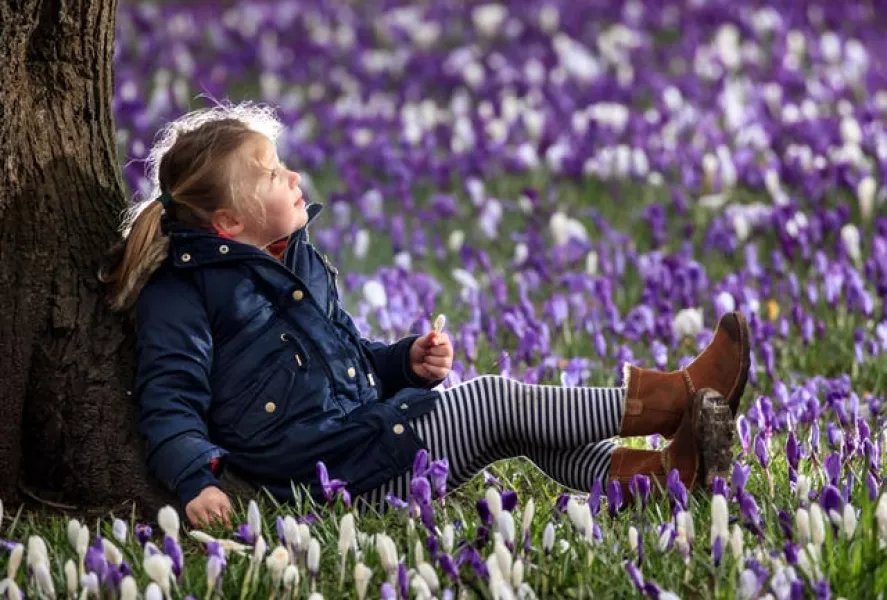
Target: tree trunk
x=68, y=428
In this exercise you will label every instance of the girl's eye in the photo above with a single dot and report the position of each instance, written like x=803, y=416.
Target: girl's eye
x=273, y=174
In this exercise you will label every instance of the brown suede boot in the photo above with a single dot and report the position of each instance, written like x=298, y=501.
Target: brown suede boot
x=701, y=448
x=655, y=400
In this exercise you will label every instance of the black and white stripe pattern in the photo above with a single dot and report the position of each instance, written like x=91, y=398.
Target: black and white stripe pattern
x=564, y=431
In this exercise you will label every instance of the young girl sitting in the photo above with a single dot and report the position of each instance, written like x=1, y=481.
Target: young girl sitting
x=248, y=361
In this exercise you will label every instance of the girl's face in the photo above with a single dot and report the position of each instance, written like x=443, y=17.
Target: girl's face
x=282, y=209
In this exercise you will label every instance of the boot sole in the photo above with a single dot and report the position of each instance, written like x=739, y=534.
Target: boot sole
x=714, y=434
x=741, y=335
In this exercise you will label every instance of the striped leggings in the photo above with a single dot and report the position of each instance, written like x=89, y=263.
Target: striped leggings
x=564, y=431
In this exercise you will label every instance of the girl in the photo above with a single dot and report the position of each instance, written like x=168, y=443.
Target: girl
x=247, y=360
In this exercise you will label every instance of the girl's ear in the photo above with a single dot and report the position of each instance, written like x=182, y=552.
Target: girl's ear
x=227, y=223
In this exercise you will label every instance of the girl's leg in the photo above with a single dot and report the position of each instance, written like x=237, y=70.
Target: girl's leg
x=489, y=418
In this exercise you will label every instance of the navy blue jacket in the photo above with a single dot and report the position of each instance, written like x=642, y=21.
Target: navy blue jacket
x=254, y=361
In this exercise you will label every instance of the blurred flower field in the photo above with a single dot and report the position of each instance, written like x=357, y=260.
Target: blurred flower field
x=575, y=184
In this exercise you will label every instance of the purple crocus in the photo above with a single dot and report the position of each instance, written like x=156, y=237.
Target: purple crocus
x=639, y=486
x=719, y=486
x=438, y=472
x=172, y=549
x=403, y=580
x=634, y=573
x=396, y=502
x=614, y=497
x=449, y=567
x=143, y=533
x=471, y=556
x=832, y=465
x=831, y=500
x=740, y=477
x=387, y=592
x=748, y=508
x=677, y=491
x=332, y=487
x=95, y=561
x=761, y=451
x=483, y=511
x=594, y=497
x=717, y=550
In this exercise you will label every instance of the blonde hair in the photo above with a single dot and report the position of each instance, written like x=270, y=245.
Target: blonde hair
x=193, y=163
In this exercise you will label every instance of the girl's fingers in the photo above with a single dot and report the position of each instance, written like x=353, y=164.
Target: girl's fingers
x=439, y=351
x=436, y=361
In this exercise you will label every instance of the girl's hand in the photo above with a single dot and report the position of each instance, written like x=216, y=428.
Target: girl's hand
x=212, y=504
x=431, y=356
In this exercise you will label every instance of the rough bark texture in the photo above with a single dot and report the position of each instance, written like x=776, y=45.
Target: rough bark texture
x=68, y=426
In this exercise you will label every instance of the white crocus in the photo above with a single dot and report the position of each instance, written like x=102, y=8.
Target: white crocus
x=420, y=588
x=129, y=590
x=448, y=538
x=720, y=527
x=418, y=552
x=527, y=520
x=45, y=587
x=548, y=537
x=37, y=551
x=517, y=574
x=850, y=239
x=15, y=560
x=488, y=18
x=362, y=576
x=580, y=516
x=817, y=525
x=9, y=590
x=168, y=519
x=82, y=542
x=849, y=521
x=736, y=542
x=112, y=553
x=73, y=532
x=254, y=518
x=276, y=562
x=687, y=323
x=159, y=569
x=374, y=294
x=153, y=592
x=494, y=501
x=455, y=240
x=685, y=525
x=361, y=244
x=347, y=535
x=313, y=561
x=290, y=578
x=118, y=530
x=881, y=516
x=315, y=596
x=803, y=487
x=505, y=526
x=564, y=228
x=387, y=551
x=866, y=191
x=71, y=582
x=802, y=523
x=633, y=538
x=503, y=555
x=429, y=575
x=591, y=263
x=89, y=582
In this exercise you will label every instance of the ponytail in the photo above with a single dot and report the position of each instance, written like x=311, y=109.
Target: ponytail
x=134, y=260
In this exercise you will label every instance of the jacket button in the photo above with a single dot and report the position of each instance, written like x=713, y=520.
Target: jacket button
x=352, y=371
x=398, y=429
x=298, y=295
x=223, y=249
x=186, y=257
x=270, y=407
x=404, y=406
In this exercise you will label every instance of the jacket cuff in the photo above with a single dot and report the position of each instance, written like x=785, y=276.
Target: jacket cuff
x=191, y=486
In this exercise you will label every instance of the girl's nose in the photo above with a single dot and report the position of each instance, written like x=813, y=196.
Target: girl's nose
x=295, y=179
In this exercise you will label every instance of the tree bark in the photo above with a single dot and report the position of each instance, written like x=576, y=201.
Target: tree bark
x=67, y=418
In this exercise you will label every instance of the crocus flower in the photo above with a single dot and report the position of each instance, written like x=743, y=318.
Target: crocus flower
x=639, y=486
x=143, y=533
x=614, y=497
x=677, y=491
x=331, y=487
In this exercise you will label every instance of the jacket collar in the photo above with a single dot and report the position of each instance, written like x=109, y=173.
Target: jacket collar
x=189, y=247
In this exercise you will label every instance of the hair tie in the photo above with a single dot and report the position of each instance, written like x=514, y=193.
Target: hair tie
x=165, y=200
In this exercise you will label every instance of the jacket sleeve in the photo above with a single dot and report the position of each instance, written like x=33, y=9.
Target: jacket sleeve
x=174, y=353
x=392, y=362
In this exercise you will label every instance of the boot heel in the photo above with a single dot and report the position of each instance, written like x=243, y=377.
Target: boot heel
x=714, y=431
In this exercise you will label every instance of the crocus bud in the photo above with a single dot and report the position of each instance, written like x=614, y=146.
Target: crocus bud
x=548, y=534
x=803, y=488
x=15, y=559
x=347, y=534
x=168, y=519
x=276, y=562
x=527, y=519
x=90, y=584
x=802, y=524
x=290, y=577
x=129, y=590
x=118, y=530
x=159, y=569
x=865, y=193
x=254, y=519
x=505, y=525
x=153, y=592
x=44, y=580
x=429, y=575
x=494, y=502
x=73, y=532
x=881, y=516
x=720, y=527
x=736, y=542
x=362, y=576
x=71, y=582
x=817, y=525
x=313, y=561
x=517, y=574
x=387, y=553
x=849, y=521
x=82, y=542
x=448, y=538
